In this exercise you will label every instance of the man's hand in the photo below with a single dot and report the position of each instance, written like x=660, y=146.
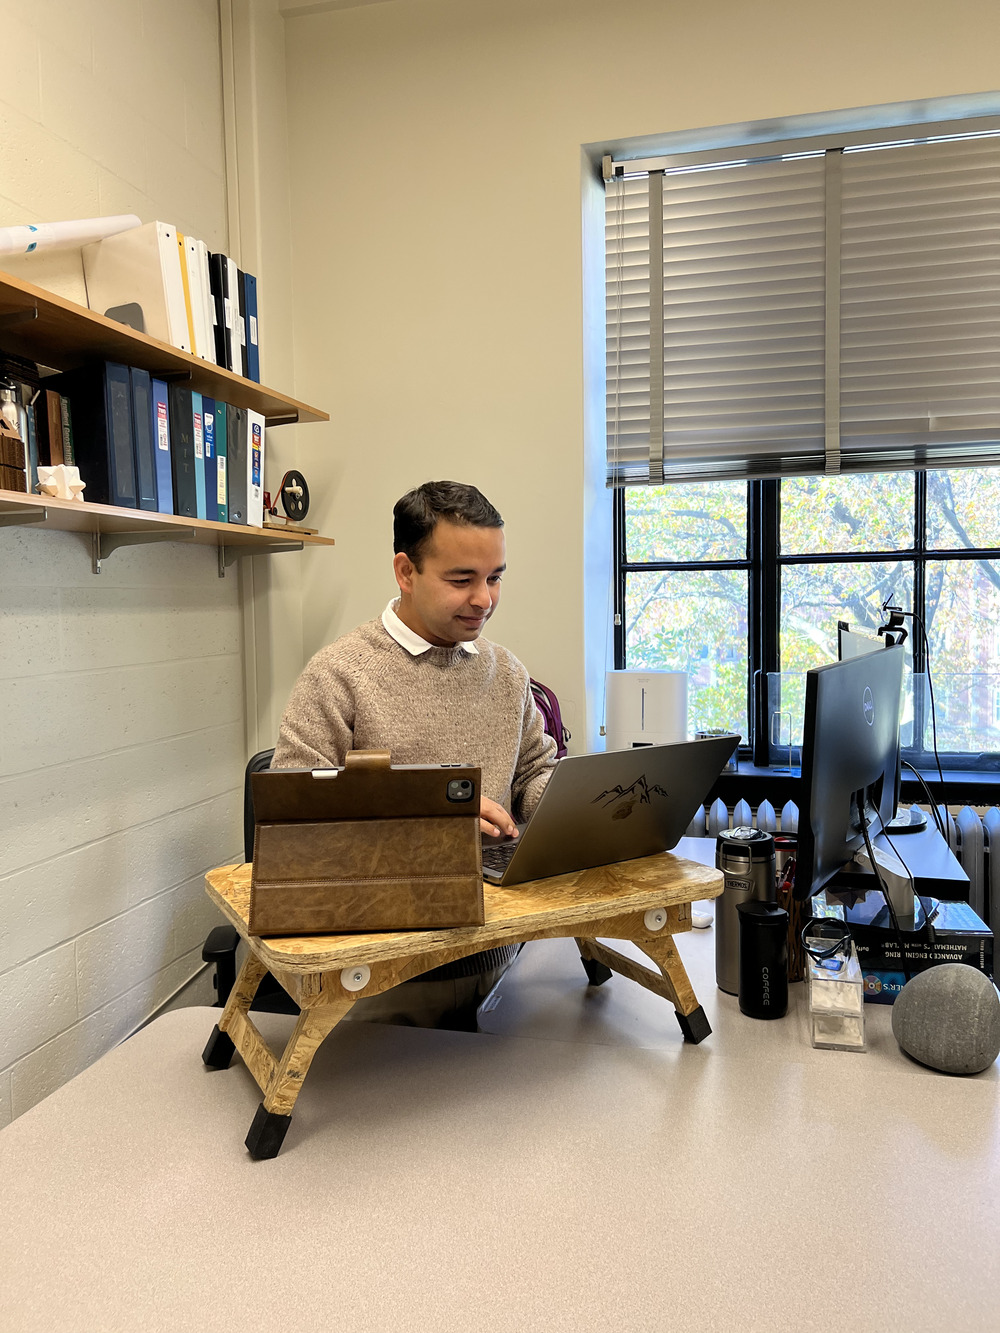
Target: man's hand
x=494, y=820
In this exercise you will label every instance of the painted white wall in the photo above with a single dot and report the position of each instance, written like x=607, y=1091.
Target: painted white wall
x=436, y=205
x=122, y=730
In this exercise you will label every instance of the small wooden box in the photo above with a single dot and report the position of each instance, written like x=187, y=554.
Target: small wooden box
x=365, y=848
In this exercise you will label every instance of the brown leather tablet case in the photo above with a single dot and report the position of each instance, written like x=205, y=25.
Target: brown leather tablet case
x=366, y=847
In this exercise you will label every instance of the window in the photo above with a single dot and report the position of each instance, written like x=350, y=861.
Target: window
x=804, y=422
x=742, y=585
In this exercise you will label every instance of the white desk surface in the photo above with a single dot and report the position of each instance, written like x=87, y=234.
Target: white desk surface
x=575, y=1167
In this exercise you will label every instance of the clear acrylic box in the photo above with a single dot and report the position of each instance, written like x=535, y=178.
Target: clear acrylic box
x=836, y=1000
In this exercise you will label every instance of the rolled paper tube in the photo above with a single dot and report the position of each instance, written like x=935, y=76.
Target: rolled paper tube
x=25, y=240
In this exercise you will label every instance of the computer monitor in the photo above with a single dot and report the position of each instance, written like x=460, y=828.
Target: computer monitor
x=850, y=745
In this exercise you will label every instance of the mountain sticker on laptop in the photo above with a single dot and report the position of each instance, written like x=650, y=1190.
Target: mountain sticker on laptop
x=639, y=793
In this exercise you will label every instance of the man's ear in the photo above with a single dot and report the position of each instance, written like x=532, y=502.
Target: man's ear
x=404, y=569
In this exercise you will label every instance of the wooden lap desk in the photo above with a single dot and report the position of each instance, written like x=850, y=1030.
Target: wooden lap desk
x=646, y=901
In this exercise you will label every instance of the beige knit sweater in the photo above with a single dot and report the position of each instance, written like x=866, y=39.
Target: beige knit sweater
x=366, y=692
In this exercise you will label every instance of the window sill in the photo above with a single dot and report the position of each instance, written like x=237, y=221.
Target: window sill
x=753, y=785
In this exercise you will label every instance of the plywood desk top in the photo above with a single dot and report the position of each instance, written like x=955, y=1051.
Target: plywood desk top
x=524, y=911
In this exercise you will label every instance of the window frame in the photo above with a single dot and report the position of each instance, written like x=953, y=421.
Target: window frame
x=764, y=563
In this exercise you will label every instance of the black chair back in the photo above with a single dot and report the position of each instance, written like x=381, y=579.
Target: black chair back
x=257, y=764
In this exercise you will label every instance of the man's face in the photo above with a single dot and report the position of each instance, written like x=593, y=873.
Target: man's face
x=451, y=596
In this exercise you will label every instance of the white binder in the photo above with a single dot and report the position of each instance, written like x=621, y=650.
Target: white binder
x=141, y=266
x=255, y=469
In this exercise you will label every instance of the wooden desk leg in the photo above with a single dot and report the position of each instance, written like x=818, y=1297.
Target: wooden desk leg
x=221, y=1047
x=274, y=1115
x=671, y=981
x=690, y=1015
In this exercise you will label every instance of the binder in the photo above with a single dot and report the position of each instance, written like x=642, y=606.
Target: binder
x=253, y=350
x=241, y=286
x=236, y=334
x=100, y=398
x=186, y=288
x=208, y=427
x=196, y=261
x=182, y=450
x=198, y=430
x=141, y=266
x=142, y=434
x=255, y=469
x=221, y=450
x=218, y=266
x=161, y=438
x=236, y=469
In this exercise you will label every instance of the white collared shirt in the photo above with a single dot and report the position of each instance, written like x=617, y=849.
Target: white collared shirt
x=410, y=639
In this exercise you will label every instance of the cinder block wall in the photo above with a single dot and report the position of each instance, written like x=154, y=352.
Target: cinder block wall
x=121, y=727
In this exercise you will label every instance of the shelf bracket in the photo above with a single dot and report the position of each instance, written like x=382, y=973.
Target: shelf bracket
x=29, y=514
x=106, y=542
x=229, y=554
x=11, y=317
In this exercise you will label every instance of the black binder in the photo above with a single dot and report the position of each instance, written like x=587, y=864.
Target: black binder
x=218, y=271
x=101, y=400
x=182, y=458
x=142, y=434
x=236, y=434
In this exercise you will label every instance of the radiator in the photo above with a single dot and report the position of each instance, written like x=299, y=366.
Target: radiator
x=971, y=834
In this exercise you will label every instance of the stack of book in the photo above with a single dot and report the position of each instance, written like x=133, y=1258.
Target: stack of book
x=141, y=443
x=138, y=442
x=166, y=284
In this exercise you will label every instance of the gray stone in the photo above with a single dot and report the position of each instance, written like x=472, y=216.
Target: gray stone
x=949, y=1018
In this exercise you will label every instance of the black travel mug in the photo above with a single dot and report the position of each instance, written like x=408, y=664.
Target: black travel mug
x=763, y=989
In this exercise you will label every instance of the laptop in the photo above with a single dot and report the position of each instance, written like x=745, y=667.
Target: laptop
x=615, y=806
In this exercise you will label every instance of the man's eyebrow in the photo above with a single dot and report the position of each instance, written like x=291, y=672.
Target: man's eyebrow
x=500, y=569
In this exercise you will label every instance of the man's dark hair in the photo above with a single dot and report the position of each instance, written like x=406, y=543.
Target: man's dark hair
x=416, y=515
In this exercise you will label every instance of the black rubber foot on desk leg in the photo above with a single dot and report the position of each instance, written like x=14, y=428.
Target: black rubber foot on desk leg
x=694, y=1025
x=597, y=973
x=219, y=1051
x=267, y=1134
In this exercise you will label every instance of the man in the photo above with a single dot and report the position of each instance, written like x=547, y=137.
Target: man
x=423, y=684
x=420, y=681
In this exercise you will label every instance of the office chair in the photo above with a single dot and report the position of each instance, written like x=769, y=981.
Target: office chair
x=220, y=946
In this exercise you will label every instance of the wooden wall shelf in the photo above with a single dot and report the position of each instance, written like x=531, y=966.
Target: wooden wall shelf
x=111, y=528
x=42, y=327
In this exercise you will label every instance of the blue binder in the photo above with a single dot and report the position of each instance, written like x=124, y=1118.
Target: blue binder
x=253, y=350
x=161, y=449
x=198, y=428
x=142, y=435
x=211, y=480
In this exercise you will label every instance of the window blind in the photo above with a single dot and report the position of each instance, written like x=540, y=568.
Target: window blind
x=821, y=308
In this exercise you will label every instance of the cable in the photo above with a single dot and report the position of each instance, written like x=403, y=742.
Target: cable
x=860, y=798
x=935, y=811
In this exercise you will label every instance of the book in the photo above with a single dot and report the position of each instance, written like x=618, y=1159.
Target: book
x=241, y=289
x=196, y=256
x=198, y=431
x=221, y=450
x=54, y=424
x=255, y=469
x=66, y=420
x=182, y=461
x=161, y=437
x=236, y=334
x=142, y=434
x=100, y=409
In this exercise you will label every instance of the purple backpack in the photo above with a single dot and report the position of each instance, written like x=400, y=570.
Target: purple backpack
x=548, y=705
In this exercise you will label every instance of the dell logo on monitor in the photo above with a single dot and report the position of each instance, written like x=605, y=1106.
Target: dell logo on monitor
x=868, y=705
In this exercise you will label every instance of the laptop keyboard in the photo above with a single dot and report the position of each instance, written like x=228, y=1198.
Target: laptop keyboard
x=497, y=856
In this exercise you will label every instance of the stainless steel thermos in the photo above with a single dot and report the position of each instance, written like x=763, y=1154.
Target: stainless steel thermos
x=746, y=858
